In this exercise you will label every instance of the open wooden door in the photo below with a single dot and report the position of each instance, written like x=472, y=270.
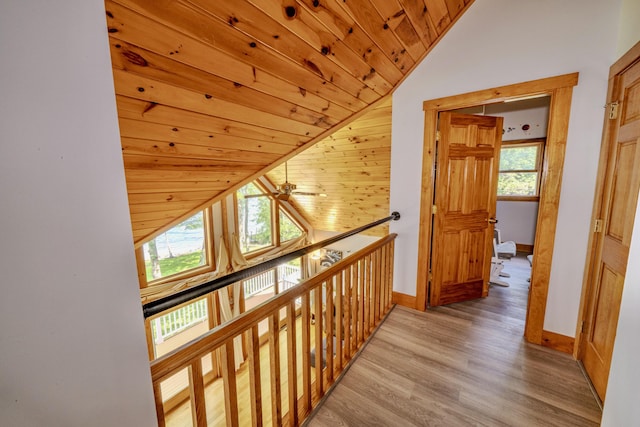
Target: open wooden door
x=614, y=213
x=465, y=206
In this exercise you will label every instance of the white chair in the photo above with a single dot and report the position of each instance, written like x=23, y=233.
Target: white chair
x=497, y=265
x=504, y=249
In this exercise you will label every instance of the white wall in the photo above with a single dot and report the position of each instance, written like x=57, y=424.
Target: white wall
x=621, y=408
x=72, y=344
x=517, y=221
x=348, y=246
x=629, y=30
x=500, y=42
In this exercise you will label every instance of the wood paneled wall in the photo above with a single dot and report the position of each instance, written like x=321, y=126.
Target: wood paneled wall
x=352, y=167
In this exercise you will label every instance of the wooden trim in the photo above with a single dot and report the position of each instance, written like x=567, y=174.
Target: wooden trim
x=558, y=342
x=209, y=237
x=518, y=198
x=625, y=61
x=426, y=203
x=225, y=218
x=404, y=299
x=142, y=268
x=502, y=93
x=530, y=141
x=151, y=348
x=522, y=247
x=550, y=186
x=560, y=89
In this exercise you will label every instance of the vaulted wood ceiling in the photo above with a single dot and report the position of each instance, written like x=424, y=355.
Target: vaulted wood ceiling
x=214, y=93
x=352, y=168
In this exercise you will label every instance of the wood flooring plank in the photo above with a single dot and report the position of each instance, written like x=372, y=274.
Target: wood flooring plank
x=462, y=364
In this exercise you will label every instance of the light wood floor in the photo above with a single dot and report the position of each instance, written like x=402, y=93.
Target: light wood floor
x=464, y=364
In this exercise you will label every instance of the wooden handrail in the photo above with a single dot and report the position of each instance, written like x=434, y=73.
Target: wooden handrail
x=348, y=300
x=165, y=303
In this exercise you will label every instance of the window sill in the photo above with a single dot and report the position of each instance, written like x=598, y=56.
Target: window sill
x=518, y=198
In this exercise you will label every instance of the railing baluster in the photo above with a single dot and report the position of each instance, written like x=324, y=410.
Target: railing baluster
x=306, y=352
x=230, y=387
x=157, y=393
x=339, y=323
x=376, y=279
x=196, y=385
x=347, y=315
x=361, y=301
x=384, y=281
x=291, y=362
x=355, y=312
x=365, y=297
x=372, y=298
x=329, y=319
x=254, y=375
x=274, y=364
x=318, y=336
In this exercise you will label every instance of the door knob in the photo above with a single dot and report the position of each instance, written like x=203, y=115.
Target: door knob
x=492, y=221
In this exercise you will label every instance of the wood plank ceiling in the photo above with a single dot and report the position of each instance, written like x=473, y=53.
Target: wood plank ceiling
x=212, y=94
x=352, y=168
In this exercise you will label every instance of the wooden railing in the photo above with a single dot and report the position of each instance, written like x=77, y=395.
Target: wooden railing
x=315, y=328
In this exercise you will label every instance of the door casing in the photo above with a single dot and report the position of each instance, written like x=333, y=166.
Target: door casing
x=560, y=90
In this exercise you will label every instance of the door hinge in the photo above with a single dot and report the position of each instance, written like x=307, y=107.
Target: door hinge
x=597, y=226
x=583, y=327
x=437, y=135
x=434, y=209
x=613, y=109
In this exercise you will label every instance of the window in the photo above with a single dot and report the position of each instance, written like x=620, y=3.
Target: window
x=519, y=176
x=177, y=250
x=288, y=229
x=255, y=223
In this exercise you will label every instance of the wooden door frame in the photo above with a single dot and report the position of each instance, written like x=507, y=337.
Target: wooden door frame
x=560, y=89
x=608, y=137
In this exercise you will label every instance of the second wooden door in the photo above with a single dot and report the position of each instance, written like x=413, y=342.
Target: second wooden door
x=465, y=206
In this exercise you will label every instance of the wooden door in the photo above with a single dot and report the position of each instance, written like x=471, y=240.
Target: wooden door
x=465, y=204
x=615, y=213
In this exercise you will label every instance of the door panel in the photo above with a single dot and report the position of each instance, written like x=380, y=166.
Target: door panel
x=465, y=199
x=618, y=198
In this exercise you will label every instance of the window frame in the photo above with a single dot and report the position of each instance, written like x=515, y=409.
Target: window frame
x=290, y=216
x=208, y=266
x=540, y=143
x=275, y=229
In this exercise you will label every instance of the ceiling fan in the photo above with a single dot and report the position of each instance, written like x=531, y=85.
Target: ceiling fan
x=286, y=190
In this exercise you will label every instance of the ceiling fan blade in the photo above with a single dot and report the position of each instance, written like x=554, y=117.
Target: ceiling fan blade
x=304, y=193
x=252, y=196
